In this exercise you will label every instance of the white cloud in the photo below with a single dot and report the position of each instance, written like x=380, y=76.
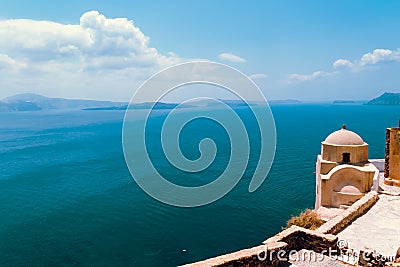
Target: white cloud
x=231, y=57
x=258, y=76
x=372, y=58
x=379, y=55
x=308, y=77
x=95, y=40
x=50, y=54
x=340, y=63
x=8, y=63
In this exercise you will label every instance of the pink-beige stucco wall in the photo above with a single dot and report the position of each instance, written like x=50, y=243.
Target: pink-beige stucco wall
x=358, y=153
x=330, y=188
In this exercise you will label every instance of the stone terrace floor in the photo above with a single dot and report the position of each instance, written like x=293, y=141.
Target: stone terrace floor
x=379, y=228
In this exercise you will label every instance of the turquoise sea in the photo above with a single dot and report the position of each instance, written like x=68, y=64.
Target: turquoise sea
x=67, y=197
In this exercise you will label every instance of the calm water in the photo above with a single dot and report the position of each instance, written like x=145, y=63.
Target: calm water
x=67, y=198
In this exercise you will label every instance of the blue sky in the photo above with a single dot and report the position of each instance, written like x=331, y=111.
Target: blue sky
x=307, y=50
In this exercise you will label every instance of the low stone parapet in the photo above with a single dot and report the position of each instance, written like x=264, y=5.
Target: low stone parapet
x=247, y=257
x=276, y=251
x=341, y=221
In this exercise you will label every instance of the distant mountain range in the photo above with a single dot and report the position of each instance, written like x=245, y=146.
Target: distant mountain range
x=203, y=103
x=33, y=102
x=145, y=105
x=386, y=99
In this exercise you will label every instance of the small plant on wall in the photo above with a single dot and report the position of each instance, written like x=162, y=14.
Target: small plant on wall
x=308, y=219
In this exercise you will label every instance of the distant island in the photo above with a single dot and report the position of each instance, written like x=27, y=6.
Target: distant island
x=284, y=102
x=386, y=99
x=34, y=102
x=344, y=102
x=145, y=105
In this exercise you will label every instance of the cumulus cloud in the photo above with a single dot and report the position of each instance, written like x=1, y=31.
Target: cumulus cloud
x=371, y=58
x=258, y=76
x=342, y=63
x=231, y=57
x=95, y=40
x=379, y=55
x=96, y=47
x=6, y=62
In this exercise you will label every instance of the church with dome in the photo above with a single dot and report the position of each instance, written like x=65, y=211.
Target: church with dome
x=358, y=210
x=343, y=172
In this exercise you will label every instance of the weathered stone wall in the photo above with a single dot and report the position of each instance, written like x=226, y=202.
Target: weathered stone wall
x=292, y=239
x=299, y=238
x=387, y=149
x=392, y=153
x=345, y=218
x=246, y=257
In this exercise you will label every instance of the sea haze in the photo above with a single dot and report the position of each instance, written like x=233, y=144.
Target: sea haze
x=67, y=197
